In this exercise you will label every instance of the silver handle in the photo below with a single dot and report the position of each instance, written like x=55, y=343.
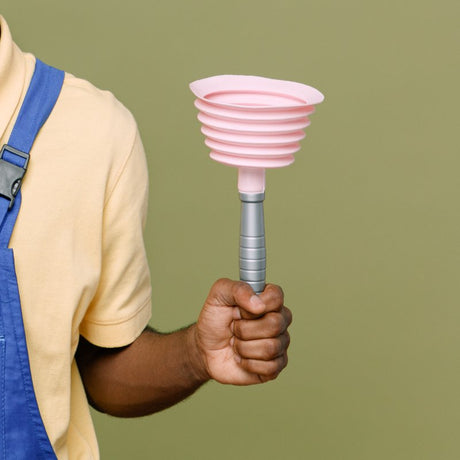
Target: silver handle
x=252, y=241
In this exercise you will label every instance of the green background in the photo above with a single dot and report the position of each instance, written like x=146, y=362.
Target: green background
x=362, y=231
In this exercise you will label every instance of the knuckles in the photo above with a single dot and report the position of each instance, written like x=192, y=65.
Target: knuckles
x=220, y=284
x=272, y=324
x=269, y=370
x=273, y=348
x=277, y=347
x=275, y=294
x=264, y=350
x=275, y=324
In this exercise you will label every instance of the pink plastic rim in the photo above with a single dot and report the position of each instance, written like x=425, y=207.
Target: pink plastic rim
x=254, y=93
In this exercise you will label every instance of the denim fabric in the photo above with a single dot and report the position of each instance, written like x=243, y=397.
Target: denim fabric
x=22, y=433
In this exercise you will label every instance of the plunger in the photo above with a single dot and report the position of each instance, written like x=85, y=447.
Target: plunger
x=253, y=123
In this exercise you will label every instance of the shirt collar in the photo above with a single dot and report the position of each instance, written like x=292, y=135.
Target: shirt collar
x=12, y=75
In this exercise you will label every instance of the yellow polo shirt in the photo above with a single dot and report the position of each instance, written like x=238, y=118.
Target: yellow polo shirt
x=78, y=244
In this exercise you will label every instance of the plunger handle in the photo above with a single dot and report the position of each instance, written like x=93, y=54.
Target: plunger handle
x=252, y=240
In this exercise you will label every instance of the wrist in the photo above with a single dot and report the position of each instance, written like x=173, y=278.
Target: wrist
x=197, y=358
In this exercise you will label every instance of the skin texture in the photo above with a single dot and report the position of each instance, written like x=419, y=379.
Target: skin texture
x=239, y=339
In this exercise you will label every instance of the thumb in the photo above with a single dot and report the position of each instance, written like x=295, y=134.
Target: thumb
x=229, y=293
x=256, y=310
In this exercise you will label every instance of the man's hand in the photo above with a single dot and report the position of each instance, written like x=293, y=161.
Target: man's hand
x=240, y=338
x=243, y=337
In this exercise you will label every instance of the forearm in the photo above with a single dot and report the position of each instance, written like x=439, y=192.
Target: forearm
x=155, y=372
x=239, y=339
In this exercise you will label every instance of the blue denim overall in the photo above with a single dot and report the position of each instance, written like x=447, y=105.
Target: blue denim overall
x=22, y=433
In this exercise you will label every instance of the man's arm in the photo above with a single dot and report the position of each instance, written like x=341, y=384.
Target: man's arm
x=153, y=373
x=239, y=339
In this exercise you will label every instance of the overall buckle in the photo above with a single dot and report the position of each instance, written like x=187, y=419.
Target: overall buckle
x=11, y=175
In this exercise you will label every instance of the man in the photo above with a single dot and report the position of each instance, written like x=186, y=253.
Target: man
x=84, y=281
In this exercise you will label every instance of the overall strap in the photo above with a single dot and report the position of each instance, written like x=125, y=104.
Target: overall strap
x=40, y=99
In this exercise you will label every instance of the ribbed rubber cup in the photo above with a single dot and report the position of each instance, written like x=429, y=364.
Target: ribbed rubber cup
x=253, y=122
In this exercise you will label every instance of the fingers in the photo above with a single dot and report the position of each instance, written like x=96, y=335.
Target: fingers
x=226, y=292
x=272, y=297
x=272, y=324
x=265, y=370
x=260, y=345
x=262, y=349
x=254, y=332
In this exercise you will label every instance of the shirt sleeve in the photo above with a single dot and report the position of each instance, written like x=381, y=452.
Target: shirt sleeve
x=121, y=307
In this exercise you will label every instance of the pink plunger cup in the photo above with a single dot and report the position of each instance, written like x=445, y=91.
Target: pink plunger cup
x=253, y=123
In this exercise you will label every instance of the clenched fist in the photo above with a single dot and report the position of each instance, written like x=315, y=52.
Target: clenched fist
x=243, y=337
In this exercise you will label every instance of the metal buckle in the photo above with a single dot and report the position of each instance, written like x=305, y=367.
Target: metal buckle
x=11, y=175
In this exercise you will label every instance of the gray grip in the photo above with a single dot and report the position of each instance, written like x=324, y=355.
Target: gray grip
x=252, y=241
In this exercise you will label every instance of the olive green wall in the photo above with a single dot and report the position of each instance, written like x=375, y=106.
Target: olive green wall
x=363, y=230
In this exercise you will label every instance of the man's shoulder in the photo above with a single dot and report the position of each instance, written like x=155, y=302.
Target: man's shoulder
x=85, y=96
x=94, y=110
x=92, y=121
